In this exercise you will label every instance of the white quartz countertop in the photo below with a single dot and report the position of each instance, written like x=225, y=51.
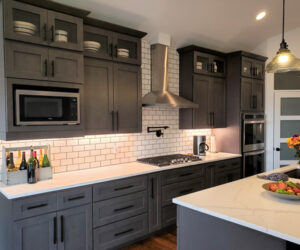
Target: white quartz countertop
x=246, y=203
x=96, y=175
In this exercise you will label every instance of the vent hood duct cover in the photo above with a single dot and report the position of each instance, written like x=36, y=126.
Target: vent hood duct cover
x=159, y=95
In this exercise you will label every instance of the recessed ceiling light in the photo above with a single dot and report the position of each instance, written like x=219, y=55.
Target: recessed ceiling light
x=261, y=15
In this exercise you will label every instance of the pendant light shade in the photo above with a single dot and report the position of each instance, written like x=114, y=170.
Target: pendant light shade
x=284, y=61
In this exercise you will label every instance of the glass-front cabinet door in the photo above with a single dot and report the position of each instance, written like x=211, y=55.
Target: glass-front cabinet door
x=25, y=22
x=201, y=63
x=65, y=31
x=126, y=49
x=97, y=42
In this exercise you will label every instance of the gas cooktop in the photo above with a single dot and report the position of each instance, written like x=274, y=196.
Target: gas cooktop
x=167, y=160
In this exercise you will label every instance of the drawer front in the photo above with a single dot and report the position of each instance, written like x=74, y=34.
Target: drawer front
x=118, y=233
x=182, y=174
x=117, y=188
x=228, y=164
x=34, y=205
x=182, y=188
x=169, y=215
x=74, y=197
x=116, y=209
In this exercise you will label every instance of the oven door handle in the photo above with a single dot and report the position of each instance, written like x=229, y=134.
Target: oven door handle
x=254, y=153
x=254, y=122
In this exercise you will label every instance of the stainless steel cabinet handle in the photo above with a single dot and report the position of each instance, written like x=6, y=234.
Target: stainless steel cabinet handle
x=52, y=33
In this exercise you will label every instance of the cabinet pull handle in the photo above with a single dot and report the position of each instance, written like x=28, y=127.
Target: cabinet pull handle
x=111, y=48
x=186, y=191
x=52, y=33
x=152, y=188
x=76, y=198
x=55, y=230
x=53, y=69
x=186, y=174
x=46, y=67
x=123, y=208
x=62, y=228
x=117, y=115
x=37, y=206
x=113, y=120
x=122, y=188
x=45, y=32
x=116, y=51
x=124, y=232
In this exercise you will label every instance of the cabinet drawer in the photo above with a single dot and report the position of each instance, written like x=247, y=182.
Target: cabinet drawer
x=169, y=215
x=117, y=188
x=74, y=197
x=227, y=165
x=182, y=174
x=182, y=188
x=34, y=205
x=118, y=233
x=105, y=212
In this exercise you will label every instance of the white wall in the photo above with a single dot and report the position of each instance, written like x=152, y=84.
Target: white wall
x=269, y=49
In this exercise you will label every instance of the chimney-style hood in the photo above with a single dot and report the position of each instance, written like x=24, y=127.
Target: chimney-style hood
x=159, y=95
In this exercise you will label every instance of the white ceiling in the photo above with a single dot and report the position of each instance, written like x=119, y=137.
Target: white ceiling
x=225, y=25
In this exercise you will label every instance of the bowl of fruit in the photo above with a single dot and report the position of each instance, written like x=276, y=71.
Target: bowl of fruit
x=283, y=189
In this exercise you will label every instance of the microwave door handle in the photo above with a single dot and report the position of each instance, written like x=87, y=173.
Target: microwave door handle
x=254, y=153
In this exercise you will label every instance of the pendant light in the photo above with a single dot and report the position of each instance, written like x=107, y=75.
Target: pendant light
x=284, y=61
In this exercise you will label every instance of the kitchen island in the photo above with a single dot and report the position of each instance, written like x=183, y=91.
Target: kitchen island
x=239, y=215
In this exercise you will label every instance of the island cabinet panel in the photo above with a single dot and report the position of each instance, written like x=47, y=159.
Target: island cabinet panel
x=154, y=202
x=75, y=228
x=36, y=233
x=50, y=28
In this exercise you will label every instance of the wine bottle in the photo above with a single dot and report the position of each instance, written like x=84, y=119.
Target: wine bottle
x=31, y=176
x=46, y=162
x=18, y=160
x=11, y=166
x=37, y=168
x=41, y=158
x=23, y=165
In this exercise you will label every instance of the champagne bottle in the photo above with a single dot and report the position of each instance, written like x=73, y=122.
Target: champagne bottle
x=37, y=168
x=31, y=176
x=11, y=166
x=41, y=158
x=23, y=165
x=18, y=160
x=46, y=162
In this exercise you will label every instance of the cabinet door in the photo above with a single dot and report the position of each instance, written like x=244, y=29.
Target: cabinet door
x=65, y=31
x=246, y=94
x=247, y=67
x=258, y=89
x=75, y=228
x=217, y=102
x=34, y=29
x=36, y=233
x=103, y=37
x=202, y=63
x=127, y=49
x=201, y=97
x=218, y=66
x=98, y=96
x=154, y=204
x=26, y=61
x=65, y=66
x=258, y=69
x=127, y=98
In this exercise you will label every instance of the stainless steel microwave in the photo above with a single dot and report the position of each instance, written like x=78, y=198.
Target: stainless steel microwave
x=43, y=107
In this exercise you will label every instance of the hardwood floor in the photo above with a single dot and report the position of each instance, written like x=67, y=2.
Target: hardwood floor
x=162, y=241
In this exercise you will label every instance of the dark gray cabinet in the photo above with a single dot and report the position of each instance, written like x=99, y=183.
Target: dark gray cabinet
x=40, y=63
x=75, y=228
x=154, y=202
x=252, y=94
x=46, y=22
x=113, y=97
x=36, y=233
x=252, y=68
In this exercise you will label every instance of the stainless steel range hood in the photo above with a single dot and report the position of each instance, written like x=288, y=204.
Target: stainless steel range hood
x=159, y=95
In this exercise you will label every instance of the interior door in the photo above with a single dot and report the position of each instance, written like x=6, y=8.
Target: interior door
x=286, y=124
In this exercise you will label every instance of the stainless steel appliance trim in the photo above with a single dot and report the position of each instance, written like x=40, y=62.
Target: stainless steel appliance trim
x=254, y=122
x=251, y=154
x=256, y=146
x=251, y=147
x=46, y=93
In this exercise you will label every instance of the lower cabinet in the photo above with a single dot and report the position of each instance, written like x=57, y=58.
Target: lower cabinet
x=69, y=229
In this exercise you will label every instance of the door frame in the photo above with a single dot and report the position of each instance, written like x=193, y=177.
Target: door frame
x=278, y=94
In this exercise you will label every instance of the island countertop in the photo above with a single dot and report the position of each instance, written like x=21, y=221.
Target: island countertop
x=79, y=178
x=246, y=203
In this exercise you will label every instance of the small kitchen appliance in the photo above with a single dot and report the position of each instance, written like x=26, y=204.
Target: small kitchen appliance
x=200, y=146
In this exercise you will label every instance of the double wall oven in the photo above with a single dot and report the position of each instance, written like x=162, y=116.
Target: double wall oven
x=253, y=143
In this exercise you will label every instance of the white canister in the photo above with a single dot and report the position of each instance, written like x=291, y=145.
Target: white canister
x=213, y=144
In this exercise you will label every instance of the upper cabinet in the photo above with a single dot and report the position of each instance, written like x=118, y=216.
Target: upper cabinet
x=104, y=42
x=37, y=25
x=252, y=68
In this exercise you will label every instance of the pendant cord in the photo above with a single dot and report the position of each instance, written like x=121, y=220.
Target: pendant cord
x=283, y=19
